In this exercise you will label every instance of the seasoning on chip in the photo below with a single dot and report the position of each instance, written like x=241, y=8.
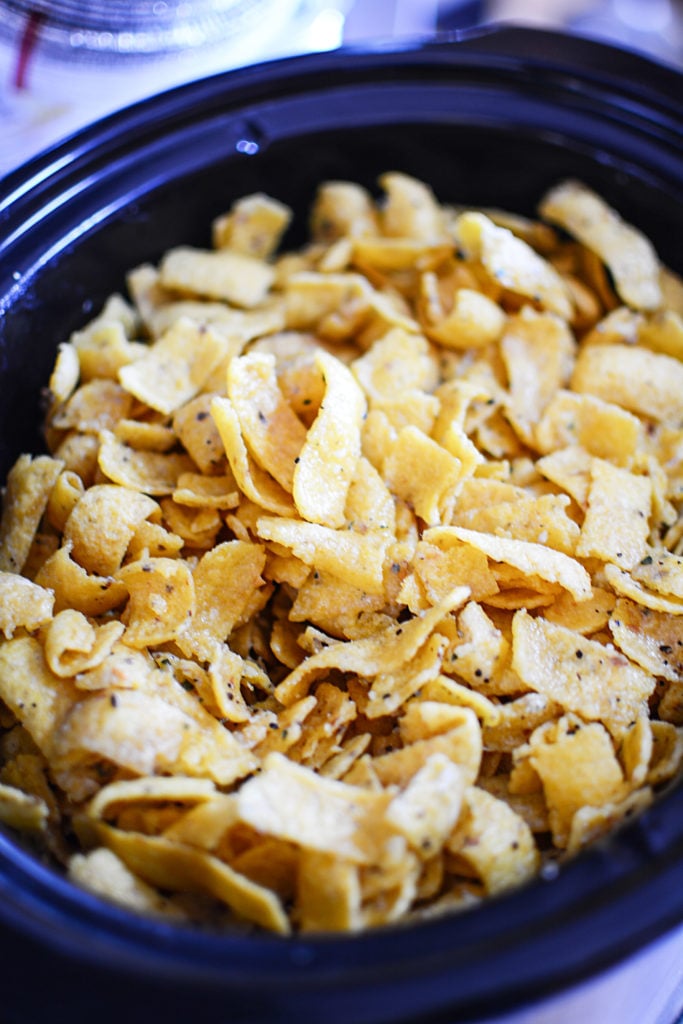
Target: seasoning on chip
x=352, y=589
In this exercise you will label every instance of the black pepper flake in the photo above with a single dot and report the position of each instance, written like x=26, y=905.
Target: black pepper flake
x=647, y=560
x=113, y=701
x=579, y=654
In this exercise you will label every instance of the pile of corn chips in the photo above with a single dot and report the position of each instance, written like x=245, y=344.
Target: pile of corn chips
x=351, y=591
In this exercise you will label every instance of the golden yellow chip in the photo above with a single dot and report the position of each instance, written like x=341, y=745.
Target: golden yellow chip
x=538, y=352
x=616, y=526
x=29, y=484
x=578, y=767
x=175, y=368
x=652, y=639
x=194, y=426
x=526, y=556
x=152, y=473
x=102, y=872
x=355, y=558
x=475, y=321
x=37, y=697
x=22, y=811
x=74, y=587
x=426, y=811
x=97, y=405
x=253, y=226
x=625, y=585
x=224, y=582
x=582, y=675
x=495, y=842
x=73, y=645
x=23, y=604
x=641, y=381
x=513, y=263
x=327, y=461
x=238, y=279
x=588, y=617
x=386, y=650
x=628, y=254
x=293, y=803
x=424, y=475
x=122, y=510
x=329, y=895
x=253, y=481
x=161, y=600
x=64, y=377
x=442, y=566
x=270, y=428
x=170, y=865
x=570, y=469
x=342, y=208
x=598, y=427
x=145, y=734
x=592, y=823
x=198, y=491
x=539, y=520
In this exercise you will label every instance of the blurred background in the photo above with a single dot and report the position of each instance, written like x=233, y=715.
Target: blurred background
x=64, y=63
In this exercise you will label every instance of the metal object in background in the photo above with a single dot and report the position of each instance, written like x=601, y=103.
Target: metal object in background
x=64, y=63
x=101, y=30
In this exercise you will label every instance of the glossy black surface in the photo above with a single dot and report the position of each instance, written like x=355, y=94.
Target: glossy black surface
x=490, y=118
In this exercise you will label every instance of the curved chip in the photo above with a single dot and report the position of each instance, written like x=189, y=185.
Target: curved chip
x=121, y=509
x=161, y=600
x=29, y=484
x=530, y=558
x=73, y=645
x=624, y=585
x=495, y=842
x=327, y=461
x=237, y=279
x=387, y=650
x=73, y=587
x=174, y=866
x=146, y=734
x=153, y=788
x=356, y=558
x=513, y=263
x=629, y=255
x=294, y=803
x=271, y=430
x=23, y=604
x=150, y=472
x=253, y=481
